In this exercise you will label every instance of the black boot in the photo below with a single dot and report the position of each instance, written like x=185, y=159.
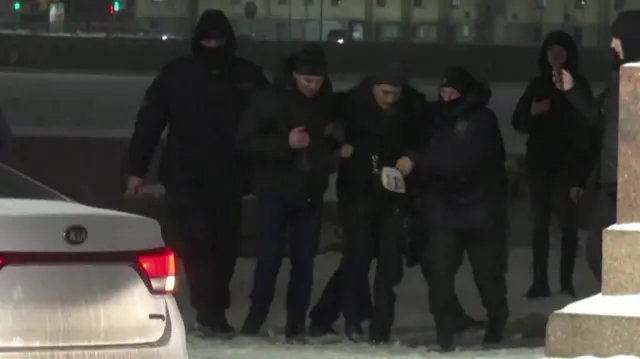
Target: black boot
x=295, y=333
x=354, y=332
x=220, y=330
x=495, y=332
x=445, y=331
x=253, y=323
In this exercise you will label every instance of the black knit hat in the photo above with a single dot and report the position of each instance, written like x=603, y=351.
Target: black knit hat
x=458, y=78
x=310, y=60
x=391, y=74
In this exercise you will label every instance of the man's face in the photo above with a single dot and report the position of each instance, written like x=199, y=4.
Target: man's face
x=211, y=43
x=449, y=94
x=556, y=55
x=308, y=85
x=386, y=95
x=616, y=45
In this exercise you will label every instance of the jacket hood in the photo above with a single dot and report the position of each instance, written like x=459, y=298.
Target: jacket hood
x=214, y=24
x=283, y=77
x=565, y=40
x=626, y=27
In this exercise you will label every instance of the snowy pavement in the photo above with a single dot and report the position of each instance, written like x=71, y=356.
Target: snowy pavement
x=414, y=328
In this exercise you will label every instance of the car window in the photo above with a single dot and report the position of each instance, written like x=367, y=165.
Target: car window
x=14, y=184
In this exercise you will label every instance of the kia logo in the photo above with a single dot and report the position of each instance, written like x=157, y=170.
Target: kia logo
x=76, y=235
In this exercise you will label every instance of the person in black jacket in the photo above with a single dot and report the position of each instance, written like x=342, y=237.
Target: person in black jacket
x=200, y=98
x=352, y=106
x=377, y=115
x=286, y=132
x=556, y=132
x=601, y=158
x=463, y=171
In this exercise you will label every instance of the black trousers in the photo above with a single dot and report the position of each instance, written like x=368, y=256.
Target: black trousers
x=284, y=222
x=208, y=232
x=550, y=195
x=485, y=249
x=329, y=306
x=372, y=227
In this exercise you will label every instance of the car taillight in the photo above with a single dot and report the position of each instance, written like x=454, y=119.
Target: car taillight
x=160, y=269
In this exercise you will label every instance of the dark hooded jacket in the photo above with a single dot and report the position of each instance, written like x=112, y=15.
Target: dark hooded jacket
x=462, y=169
x=602, y=112
x=556, y=136
x=386, y=134
x=200, y=98
x=278, y=170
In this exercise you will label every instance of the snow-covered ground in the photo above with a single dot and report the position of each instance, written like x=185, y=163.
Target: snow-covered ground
x=414, y=328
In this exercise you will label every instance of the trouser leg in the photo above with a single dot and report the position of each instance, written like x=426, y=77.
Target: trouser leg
x=208, y=248
x=271, y=241
x=541, y=206
x=305, y=222
x=443, y=256
x=389, y=269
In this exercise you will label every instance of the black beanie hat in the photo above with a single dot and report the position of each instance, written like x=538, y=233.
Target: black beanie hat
x=458, y=78
x=626, y=27
x=392, y=74
x=310, y=60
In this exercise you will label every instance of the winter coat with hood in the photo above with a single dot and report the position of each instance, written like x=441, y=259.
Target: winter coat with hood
x=462, y=169
x=372, y=131
x=555, y=137
x=279, y=171
x=200, y=98
x=602, y=112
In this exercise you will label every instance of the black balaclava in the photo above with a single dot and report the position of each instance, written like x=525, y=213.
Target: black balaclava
x=461, y=80
x=626, y=27
x=565, y=40
x=213, y=24
x=310, y=60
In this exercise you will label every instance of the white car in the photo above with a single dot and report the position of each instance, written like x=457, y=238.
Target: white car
x=82, y=282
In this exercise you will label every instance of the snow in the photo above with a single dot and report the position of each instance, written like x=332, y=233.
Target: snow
x=613, y=305
x=633, y=226
x=414, y=328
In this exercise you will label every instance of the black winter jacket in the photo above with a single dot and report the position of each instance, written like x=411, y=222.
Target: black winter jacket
x=556, y=139
x=462, y=169
x=201, y=107
x=377, y=136
x=277, y=169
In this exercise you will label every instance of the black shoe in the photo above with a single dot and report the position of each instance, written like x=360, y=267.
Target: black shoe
x=295, y=333
x=222, y=331
x=494, y=333
x=466, y=322
x=567, y=289
x=538, y=291
x=317, y=330
x=444, y=336
x=251, y=327
x=354, y=332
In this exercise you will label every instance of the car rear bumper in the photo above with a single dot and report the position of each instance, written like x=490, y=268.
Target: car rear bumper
x=171, y=346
